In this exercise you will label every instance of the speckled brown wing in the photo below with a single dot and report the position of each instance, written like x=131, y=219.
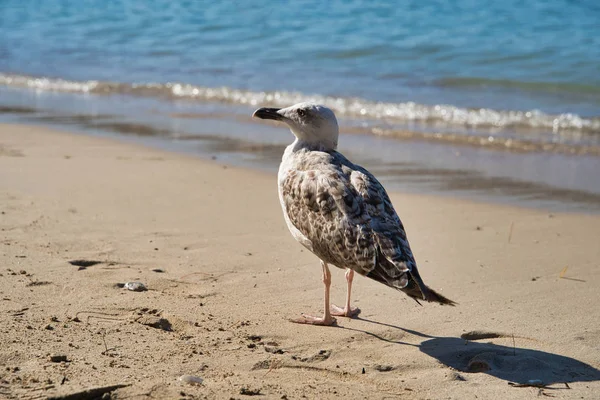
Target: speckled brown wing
x=329, y=213
x=395, y=266
x=395, y=256
x=348, y=218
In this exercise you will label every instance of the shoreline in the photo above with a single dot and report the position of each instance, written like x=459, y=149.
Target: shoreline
x=551, y=181
x=232, y=276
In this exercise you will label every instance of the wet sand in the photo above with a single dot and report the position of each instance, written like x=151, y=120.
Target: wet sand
x=436, y=161
x=224, y=275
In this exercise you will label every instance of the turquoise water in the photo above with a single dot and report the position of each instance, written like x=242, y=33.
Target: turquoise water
x=511, y=75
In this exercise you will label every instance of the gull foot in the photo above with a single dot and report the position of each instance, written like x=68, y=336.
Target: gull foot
x=343, y=312
x=310, y=320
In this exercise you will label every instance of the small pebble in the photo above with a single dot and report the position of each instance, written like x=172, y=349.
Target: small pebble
x=384, y=368
x=159, y=270
x=455, y=376
x=273, y=350
x=191, y=379
x=58, y=358
x=249, y=392
x=135, y=286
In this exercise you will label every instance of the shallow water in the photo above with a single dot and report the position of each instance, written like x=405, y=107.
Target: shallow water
x=225, y=133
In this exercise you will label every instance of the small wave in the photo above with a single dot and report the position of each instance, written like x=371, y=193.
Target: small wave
x=349, y=107
x=548, y=87
x=493, y=142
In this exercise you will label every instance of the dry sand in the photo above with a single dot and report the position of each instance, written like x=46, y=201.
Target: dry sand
x=232, y=275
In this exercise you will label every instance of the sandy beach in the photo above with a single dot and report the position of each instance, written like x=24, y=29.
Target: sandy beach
x=224, y=276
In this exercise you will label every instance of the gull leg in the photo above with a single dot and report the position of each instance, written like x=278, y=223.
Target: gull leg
x=347, y=311
x=327, y=319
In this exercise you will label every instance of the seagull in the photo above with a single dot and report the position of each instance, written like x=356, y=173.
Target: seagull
x=340, y=212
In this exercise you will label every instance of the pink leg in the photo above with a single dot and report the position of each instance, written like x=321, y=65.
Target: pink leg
x=327, y=319
x=347, y=311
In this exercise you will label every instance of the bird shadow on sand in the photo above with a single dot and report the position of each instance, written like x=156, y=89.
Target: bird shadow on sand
x=513, y=364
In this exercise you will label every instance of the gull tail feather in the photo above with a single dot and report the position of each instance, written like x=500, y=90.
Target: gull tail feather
x=417, y=290
x=408, y=281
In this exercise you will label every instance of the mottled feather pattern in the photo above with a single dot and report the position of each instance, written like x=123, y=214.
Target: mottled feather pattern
x=346, y=215
x=339, y=210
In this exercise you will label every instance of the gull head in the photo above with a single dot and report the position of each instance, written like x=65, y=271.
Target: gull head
x=311, y=123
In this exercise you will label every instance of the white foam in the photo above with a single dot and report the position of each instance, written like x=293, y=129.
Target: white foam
x=344, y=106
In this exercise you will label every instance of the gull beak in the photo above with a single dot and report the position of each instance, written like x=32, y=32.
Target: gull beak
x=268, y=113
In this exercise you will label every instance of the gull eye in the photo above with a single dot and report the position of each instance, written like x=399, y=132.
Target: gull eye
x=301, y=112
